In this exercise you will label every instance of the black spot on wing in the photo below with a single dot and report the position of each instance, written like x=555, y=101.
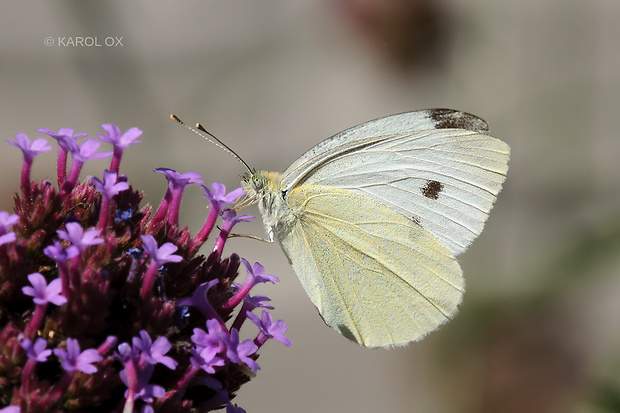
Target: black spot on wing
x=432, y=189
x=454, y=119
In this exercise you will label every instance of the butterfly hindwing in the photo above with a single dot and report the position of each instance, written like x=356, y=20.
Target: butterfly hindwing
x=375, y=276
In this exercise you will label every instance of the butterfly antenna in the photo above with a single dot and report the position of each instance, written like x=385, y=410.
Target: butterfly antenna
x=211, y=138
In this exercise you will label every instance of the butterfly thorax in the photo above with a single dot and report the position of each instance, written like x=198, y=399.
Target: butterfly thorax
x=265, y=190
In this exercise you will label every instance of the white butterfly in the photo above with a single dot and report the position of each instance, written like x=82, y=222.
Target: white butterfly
x=372, y=218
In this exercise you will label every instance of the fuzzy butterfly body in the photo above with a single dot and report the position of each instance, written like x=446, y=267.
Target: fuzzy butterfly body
x=372, y=218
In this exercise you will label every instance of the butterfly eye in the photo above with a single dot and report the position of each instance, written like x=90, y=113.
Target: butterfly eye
x=257, y=182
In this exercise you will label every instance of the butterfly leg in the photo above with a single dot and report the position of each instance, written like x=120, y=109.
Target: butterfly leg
x=249, y=236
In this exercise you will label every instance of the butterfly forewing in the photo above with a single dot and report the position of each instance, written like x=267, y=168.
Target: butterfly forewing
x=374, y=130
x=445, y=180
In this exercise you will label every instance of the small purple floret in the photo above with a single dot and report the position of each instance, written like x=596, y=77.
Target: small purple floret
x=79, y=238
x=270, y=329
x=44, y=293
x=119, y=141
x=237, y=351
x=62, y=132
x=59, y=254
x=218, y=196
x=36, y=351
x=177, y=179
x=229, y=220
x=160, y=255
x=211, y=342
x=87, y=150
x=256, y=301
x=30, y=149
x=72, y=359
x=110, y=187
x=114, y=136
x=154, y=352
x=256, y=273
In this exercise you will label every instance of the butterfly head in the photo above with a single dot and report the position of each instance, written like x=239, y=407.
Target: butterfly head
x=259, y=184
x=264, y=189
x=253, y=184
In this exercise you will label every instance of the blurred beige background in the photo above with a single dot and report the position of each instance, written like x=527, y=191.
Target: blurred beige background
x=539, y=328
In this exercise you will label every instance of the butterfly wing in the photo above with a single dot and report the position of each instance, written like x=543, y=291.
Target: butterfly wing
x=445, y=179
x=375, y=276
x=368, y=132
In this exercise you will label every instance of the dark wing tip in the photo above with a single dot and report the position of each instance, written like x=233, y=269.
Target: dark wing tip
x=455, y=119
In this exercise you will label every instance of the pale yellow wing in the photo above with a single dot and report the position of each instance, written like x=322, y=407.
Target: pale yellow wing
x=375, y=276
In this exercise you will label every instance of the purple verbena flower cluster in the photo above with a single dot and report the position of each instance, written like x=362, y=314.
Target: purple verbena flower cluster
x=106, y=306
